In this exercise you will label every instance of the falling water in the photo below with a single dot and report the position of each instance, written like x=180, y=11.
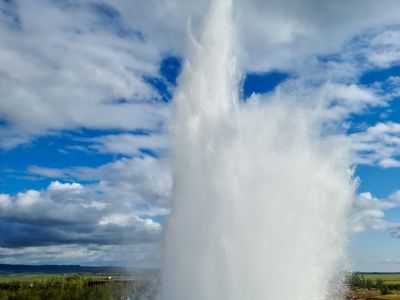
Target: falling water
x=261, y=194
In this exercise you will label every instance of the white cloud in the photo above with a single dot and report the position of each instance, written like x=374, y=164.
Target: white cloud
x=64, y=69
x=341, y=100
x=282, y=33
x=395, y=197
x=369, y=212
x=45, y=172
x=137, y=180
x=129, y=144
x=272, y=34
x=110, y=220
x=5, y=200
x=67, y=66
x=124, y=220
x=143, y=183
x=117, y=208
x=389, y=163
x=27, y=199
x=385, y=48
x=137, y=186
x=378, y=145
x=59, y=203
x=75, y=188
x=66, y=214
x=330, y=102
x=134, y=181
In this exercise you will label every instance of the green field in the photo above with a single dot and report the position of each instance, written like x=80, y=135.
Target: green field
x=88, y=286
x=388, y=278
x=374, y=286
x=115, y=284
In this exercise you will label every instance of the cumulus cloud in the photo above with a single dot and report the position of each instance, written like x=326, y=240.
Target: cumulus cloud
x=112, y=207
x=140, y=180
x=115, y=212
x=66, y=213
x=60, y=203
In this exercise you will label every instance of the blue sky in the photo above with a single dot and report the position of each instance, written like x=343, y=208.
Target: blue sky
x=86, y=95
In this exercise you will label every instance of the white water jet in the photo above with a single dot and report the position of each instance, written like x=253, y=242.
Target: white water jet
x=261, y=194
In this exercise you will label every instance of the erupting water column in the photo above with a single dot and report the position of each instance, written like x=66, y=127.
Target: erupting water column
x=260, y=198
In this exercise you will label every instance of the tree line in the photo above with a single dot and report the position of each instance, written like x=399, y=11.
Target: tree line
x=73, y=287
x=359, y=281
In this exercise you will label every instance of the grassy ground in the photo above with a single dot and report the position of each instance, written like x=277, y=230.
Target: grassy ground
x=75, y=286
x=72, y=286
x=389, y=281
x=388, y=278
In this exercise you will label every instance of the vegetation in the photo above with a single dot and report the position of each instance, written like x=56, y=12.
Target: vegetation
x=389, y=278
x=375, y=285
x=74, y=286
x=119, y=285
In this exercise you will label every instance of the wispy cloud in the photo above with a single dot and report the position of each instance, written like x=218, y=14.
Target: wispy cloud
x=129, y=144
x=65, y=68
x=369, y=213
x=378, y=145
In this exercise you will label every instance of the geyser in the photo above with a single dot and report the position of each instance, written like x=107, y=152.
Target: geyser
x=261, y=192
